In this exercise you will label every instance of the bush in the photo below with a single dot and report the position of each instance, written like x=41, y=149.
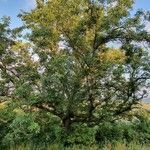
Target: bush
x=80, y=134
x=41, y=129
x=50, y=128
x=143, y=130
x=129, y=134
x=138, y=132
x=108, y=132
x=45, y=129
x=22, y=129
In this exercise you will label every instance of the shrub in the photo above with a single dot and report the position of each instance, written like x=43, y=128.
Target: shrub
x=80, y=134
x=22, y=129
x=108, y=132
x=143, y=130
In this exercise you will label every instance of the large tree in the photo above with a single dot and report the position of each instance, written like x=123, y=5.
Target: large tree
x=81, y=77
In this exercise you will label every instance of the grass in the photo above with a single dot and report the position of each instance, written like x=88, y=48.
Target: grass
x=146, y=106
x=108, y=146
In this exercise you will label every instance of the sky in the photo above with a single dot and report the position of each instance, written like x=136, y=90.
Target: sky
x=13, y=7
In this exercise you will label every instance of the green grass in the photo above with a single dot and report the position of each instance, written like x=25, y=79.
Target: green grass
x=108, y=146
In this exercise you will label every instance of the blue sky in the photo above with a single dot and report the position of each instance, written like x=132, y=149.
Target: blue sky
x=12, y=8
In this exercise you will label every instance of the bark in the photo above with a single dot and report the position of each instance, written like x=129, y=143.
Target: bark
x=67, y=124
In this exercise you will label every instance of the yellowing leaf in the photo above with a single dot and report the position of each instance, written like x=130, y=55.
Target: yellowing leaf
x=114, y=56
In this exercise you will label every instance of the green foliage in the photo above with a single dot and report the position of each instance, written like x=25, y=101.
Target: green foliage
x=45, y=130
x=22, y=129
x=29, y=127
x=80, y=134
x=23, y=91
x=109, y=132
x=66, y=81
x=83, y=79
x=138, y=132
x=50, y=128
x=143, y=130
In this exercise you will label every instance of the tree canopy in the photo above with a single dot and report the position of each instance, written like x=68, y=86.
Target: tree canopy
x=68, y=66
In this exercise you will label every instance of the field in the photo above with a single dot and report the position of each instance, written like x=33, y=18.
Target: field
x=146, y=106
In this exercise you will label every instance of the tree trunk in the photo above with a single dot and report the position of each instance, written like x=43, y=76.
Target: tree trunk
x=67, y=124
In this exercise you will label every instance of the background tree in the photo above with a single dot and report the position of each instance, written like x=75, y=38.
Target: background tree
x=17, y=70
x=17, y=67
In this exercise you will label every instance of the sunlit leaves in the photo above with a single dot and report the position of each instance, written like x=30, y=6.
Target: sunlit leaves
x=113, y=56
